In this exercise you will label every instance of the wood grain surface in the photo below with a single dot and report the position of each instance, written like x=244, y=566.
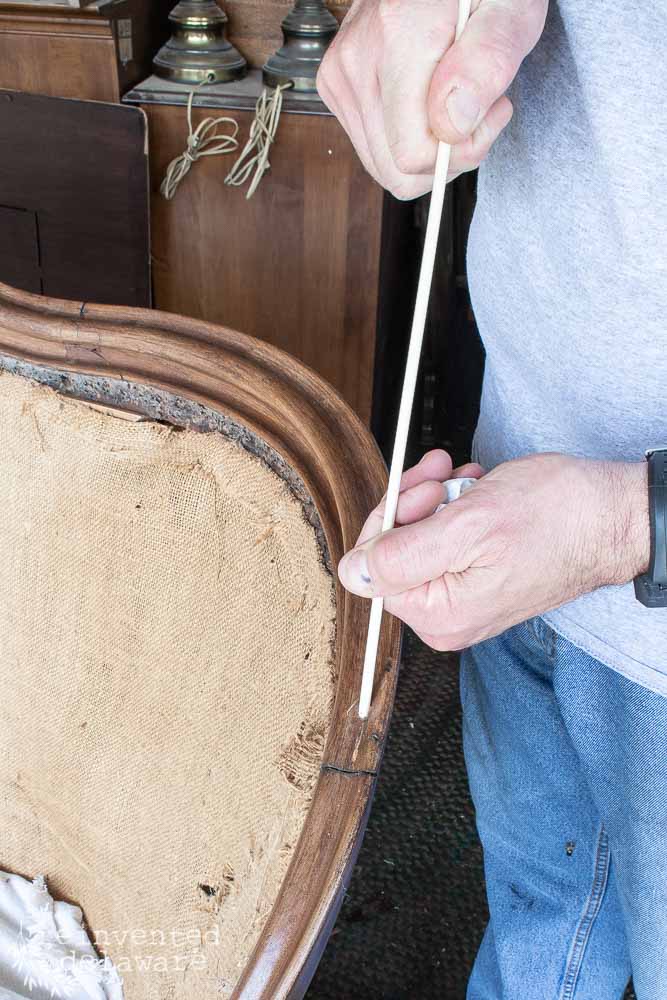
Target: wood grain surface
x=325, y=444
x=74, y=223
x=70, y=52
x=297, y=265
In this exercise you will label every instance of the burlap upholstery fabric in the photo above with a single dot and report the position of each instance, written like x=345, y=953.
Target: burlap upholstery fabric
x=166, y=634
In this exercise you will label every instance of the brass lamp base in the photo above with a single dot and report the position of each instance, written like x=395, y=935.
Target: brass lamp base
x=308, y=31
x=198, y=50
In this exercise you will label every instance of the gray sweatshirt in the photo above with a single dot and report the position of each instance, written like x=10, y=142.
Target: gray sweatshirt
x=567, y=265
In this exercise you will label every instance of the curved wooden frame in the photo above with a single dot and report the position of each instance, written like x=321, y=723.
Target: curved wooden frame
x=321, y=439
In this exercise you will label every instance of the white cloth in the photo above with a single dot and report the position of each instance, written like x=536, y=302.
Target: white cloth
x=45, y=953
x=454, y=488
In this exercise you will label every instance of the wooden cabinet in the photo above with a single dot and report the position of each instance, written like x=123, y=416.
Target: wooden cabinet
x=94, y=52
x=318, y=262
x=73, y=199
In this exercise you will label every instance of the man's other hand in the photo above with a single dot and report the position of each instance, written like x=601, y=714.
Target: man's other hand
x=529, y=536
x=397, y=83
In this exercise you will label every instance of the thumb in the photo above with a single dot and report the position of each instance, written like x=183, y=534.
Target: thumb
x=406, y=557
x=479, y=68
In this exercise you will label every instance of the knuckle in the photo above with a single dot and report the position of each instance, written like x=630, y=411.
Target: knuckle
x=409, y=160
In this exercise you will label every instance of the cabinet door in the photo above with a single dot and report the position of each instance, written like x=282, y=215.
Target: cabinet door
x=78, y=171
x=19, y=249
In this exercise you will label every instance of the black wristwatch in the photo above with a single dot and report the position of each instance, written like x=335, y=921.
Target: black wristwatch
x=651, y=587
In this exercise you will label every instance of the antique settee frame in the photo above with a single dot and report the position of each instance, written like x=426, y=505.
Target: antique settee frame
x=326, y=450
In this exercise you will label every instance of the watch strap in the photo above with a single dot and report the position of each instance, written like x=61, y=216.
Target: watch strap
x=651, y=587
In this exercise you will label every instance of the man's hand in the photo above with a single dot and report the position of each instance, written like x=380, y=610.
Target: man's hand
x=529, y=536
x=398, y=84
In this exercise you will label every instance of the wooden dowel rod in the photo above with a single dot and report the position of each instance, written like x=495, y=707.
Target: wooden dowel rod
x=409, y=383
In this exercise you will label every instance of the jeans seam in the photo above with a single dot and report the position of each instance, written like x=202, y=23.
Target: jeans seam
x=545, y=636
x=587, y=919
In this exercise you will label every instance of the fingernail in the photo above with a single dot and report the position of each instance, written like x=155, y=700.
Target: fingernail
x=353, y=573
x=463, y=110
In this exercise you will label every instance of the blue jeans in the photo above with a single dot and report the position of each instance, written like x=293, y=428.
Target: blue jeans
x=567, y=762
